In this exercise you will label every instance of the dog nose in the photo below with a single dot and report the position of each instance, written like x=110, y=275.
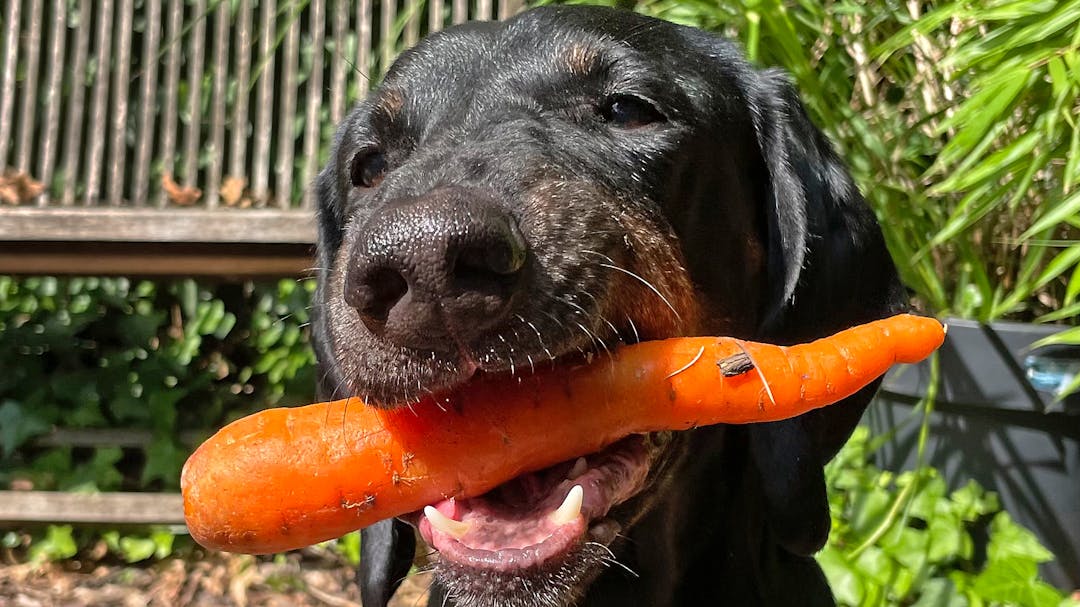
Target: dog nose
x=434, y=272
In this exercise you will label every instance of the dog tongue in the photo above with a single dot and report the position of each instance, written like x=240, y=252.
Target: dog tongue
x=537, y=517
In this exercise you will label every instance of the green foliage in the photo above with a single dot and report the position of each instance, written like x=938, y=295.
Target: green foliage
x=348, y=546
x=906, y=540
x=958, y=120
x=157, y=544
x=58, y=543
x=173, y=361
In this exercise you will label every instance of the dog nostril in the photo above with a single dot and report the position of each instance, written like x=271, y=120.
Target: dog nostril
x=502, y=253
x=499, y=259
x=375, y=293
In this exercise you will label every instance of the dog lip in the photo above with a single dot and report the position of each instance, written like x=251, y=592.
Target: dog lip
x=515, y=527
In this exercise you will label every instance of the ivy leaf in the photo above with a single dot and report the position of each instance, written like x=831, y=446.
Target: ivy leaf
x=16, y=426
x=940, y=592
x=1008, y=540
x=1014, y=581
x=58, y=543
x=163, y=462
x=134, y=548
x=844, y=580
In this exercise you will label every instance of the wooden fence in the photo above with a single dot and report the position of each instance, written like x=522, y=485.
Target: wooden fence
x=177, y=137
x=127, y=124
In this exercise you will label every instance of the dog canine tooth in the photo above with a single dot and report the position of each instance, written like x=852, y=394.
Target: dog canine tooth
x=570, y=508
x=579, y=468
x=438, y=520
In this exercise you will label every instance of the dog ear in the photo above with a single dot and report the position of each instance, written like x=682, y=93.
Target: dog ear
x=386, y=554
x=829, y=270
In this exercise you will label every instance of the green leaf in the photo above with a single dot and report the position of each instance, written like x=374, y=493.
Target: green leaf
x=58, y=544
x=845, y=582
x=1069, y=311
x=1055, y=214
x=1008, y=540
x=163, y=462
x=1014, y=581
x=1071, y=175
x=978, y=115
x=348, y=546
x=940, y=592
x=135, y=548
x=1069, y=337
x=1061, y=263
x=17, y=426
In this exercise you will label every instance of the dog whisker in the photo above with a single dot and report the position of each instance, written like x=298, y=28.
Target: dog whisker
x=509, y=354
x=611, y=559
x=611, y=265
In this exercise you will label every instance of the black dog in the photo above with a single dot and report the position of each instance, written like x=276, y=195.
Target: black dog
x=533, y=192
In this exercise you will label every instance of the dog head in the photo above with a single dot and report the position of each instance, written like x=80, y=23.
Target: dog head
x=532, y=192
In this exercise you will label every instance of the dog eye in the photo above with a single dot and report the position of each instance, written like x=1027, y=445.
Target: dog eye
x=368, y=168
x=630, y=112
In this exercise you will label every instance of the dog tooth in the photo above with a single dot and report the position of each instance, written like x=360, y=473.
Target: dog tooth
x=579, y=468
x=438, y=520
x=570, y=508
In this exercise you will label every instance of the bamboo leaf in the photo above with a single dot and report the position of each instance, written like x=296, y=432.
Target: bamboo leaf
x=923, y=26
x=1014, y=11
x=995, y=165
x=1073, y=288
x=980, y=114
x=1008, y=40
x=1059, y=76
x=1024, y=285
x=1057, y=213
x=1065, y=313
x=1062, y=262
x=971, y=208
x=1068, y=337
x=1071, y=174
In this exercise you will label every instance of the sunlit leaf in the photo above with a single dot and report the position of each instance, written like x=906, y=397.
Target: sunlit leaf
x=1055, y=215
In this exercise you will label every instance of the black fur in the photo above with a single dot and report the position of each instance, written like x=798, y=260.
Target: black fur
x=611, y=141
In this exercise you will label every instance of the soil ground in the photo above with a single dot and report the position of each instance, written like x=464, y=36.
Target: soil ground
x=218, y=580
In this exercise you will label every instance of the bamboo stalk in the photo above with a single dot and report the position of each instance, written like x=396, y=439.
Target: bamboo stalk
x=388, y=12
x=412, y=22
x=73, y=120
x=509, y=8
x=167, y=134
x=483, y=10
x=264, y=104
x=460, y=11
x=95, y=142
x=196, y=60
x=363, y=43
x=144, y=125
x=54, y=95
x=220, y=65
x=31, y=61
x=117, y=158
x=7, y=78
x=339, y=27
x=242, y=73
x=286, y=149
x=435, y=15
x=314, y=86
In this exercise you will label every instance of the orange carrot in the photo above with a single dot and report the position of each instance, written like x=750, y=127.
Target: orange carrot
x=286, y=478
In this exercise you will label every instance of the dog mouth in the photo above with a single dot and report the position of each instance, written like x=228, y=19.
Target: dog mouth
x=540, y=519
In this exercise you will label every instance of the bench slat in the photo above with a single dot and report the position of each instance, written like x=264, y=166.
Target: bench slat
x=103, y=224
x=91, y=508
